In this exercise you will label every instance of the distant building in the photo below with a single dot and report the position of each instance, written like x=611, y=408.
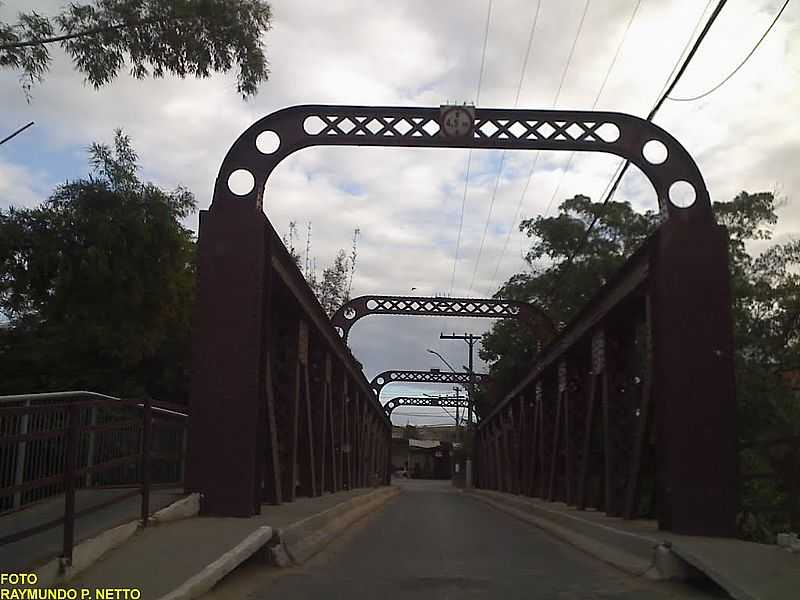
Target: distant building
x=422, y=459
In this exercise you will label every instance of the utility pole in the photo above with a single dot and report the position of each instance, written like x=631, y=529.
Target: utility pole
x=458, y=420
x=470, y=339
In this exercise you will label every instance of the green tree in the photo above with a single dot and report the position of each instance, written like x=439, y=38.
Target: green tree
x=332, y=288
x=766, y=310
x=508, y=347
x=155, y=37
x=97, y=284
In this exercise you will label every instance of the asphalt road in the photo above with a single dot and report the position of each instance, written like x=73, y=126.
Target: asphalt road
x=434, y=542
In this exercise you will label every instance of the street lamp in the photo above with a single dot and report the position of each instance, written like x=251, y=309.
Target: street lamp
x=442, y=358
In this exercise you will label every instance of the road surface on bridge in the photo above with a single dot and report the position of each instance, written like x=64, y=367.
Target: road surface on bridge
x=433, y=541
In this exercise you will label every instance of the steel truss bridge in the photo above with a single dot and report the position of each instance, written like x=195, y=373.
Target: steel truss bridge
x=630, y=409
x=427, y=401
x=381, y=380
x=534, y=317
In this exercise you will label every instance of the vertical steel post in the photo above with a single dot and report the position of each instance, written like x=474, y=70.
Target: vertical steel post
x=91, y=450
x=228, y=358
x=147, y=440
x=693, y=380
x=70, y=469
x=184, y=439
x=22, y=447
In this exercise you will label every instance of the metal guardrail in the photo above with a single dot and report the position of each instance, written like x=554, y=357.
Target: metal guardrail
x=61, y=442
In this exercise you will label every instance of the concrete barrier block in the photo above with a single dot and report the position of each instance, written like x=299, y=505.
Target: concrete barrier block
x=84, y=555
x=631, y=553
x=181, y=509
x=304, y=539
x=671, y=566
x=214, y=572
x=278, y=556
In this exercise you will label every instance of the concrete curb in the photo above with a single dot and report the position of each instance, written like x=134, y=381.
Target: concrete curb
x=87, y=552
x=305, y=538
x=635, y=554
x=212, y=573
x=180, y=509
x=84, y=555
x=302, y=540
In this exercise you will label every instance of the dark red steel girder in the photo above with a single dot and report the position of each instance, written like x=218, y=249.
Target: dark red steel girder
x=385, y=378
x=251, y=400
x=442, y=401
x=362, y=306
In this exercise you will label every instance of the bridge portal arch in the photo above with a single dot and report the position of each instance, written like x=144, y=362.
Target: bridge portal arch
x=662, y=159
x=426, y=401
x=381, y=380
x=239, y=389
x=362, y=306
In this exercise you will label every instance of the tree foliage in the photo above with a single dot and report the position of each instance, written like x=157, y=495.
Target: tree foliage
x=508, y=346
x=154, y=37
x=765, y=290
x=334, y=285
x=97, y=284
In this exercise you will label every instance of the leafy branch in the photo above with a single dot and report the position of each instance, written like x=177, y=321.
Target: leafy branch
x=156, y=37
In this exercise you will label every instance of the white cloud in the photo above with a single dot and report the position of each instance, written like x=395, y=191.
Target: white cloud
x=407, y=202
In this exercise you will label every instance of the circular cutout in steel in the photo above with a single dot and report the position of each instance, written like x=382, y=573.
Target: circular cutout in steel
x=380, y=380
x=371, y=304
x=241, y=182
x=313, y=125
x=268, y=142
x=655, y=152
x=349, y=314
x=682, y=194
x=608, y=132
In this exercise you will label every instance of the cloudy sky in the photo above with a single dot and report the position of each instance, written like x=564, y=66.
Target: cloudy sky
x=407, y=202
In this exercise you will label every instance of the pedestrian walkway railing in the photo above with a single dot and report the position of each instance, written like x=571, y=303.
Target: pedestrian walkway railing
x=58, y=443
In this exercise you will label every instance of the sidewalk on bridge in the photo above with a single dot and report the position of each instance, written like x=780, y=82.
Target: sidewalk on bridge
x=32, y=551
x=746, y=570
x=159, y=559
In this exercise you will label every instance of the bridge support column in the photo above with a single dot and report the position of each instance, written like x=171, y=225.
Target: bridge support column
x=228, y=361
x=693, y=380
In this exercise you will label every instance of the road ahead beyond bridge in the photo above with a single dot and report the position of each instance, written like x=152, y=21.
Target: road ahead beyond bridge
x=434, y=542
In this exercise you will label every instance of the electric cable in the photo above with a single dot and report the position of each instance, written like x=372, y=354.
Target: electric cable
x=536, y=156
x=522, y=74
x=568, y=262
x=596, y=100
x=741, y=64
x=469, y=153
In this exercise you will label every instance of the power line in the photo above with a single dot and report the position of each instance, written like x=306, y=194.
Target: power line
x=536, y=156
x=522, y=73
x=15, y=133
x=566, y=264
x=469, y=153
x=741, y=64
x=596, y=100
